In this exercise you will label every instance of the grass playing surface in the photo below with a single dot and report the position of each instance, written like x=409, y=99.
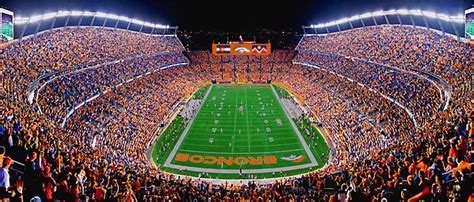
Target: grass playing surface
x=239, y=128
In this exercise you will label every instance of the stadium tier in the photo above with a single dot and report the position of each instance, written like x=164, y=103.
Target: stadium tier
x=374, y=113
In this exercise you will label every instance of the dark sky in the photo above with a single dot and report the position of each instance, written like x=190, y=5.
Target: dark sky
x=227, y=15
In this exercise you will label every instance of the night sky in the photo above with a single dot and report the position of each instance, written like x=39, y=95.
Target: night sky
x=242, y=15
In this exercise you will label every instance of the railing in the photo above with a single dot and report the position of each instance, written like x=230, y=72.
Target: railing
x=410, y=114
x=444, y=92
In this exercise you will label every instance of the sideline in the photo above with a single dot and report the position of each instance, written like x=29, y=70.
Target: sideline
x=185, y=132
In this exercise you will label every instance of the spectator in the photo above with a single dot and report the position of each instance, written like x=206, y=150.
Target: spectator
x=5, y=186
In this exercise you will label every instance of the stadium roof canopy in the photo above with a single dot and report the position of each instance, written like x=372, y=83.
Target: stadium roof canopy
x=415, y=17
x=26, y=26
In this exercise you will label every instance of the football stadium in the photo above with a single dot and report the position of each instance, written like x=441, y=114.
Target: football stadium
x=197, y=101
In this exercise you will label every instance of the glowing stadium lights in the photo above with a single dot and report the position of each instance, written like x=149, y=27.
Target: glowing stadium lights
x=429, y=14
x=354, y=18
x=378, y=13
x=63, y=13
x=88, y=13
x=49, y=16
x=391, y=12
x=414, y=12
x=37, y=18
x=101, y=15
x=112, y=16
x=402, y=12
x=137, y=21
x=123, y=18
x=365, y=15
x=77, y=13
x=342, y=21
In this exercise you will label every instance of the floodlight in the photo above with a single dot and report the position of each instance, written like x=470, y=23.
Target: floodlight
x=402, y=11
x=76, y=13
x=101, y=15
x=378, y=13
x=429, y=14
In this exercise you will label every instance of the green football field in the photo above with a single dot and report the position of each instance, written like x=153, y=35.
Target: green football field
x=239, y=129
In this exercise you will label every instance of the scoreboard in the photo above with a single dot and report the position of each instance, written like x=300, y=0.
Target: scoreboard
x=241, y=48
x=6, y=26
x=469, y=26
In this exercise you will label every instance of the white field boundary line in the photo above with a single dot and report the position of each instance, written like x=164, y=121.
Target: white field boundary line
x=313, y=163
x=185, y=132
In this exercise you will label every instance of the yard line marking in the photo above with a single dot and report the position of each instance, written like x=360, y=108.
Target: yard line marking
x=275, y=134
x=235, y=120
x=273, y=145
x=240, y=153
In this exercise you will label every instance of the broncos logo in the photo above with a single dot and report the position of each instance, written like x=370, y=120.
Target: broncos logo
x=293, y=158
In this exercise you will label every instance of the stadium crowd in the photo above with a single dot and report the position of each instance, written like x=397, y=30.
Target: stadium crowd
x=419, y=95
x=100, y=154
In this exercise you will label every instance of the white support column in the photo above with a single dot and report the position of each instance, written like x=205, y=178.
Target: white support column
x=412, y=21
x=92, y=22
x=441, y=26
x=80, y=21
x=37, y=28
x=426, y=23
x=375, y=21
x=116, y=24
x=24, y=30
x=67, y=21
x=105, y=21
x=386, y=19
x=399, y=19
x=455, y=30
